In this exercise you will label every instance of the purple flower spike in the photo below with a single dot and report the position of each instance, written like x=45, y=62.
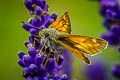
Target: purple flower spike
x=39, y=64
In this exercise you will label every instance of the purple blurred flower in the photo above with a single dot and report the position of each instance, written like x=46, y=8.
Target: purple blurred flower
x=110, y=10
x=113, y=36
x=67, y=66
x=97, y=71
x=116, y=70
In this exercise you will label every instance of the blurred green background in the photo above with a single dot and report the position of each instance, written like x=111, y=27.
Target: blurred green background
x=85, y=20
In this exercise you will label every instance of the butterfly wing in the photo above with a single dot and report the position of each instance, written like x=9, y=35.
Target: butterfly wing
x=62, y=24
x=79, y=45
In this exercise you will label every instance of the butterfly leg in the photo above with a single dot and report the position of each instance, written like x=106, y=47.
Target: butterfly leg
x=46, y=61
x=58, y=56
x=43, y=46
x=35, y=40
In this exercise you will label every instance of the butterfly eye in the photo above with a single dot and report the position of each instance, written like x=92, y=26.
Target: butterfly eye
x=46, y=35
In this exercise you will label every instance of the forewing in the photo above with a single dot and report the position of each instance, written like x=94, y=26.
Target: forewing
x=62, y=24
x=88, y=45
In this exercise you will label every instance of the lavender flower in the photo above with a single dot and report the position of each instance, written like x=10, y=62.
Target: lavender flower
x=40, y=63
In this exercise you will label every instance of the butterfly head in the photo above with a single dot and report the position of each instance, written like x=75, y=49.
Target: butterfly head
x=48, y=33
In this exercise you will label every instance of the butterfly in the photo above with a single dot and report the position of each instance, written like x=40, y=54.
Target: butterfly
x=59, y=33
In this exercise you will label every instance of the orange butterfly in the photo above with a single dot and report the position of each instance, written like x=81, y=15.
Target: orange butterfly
x=59, y=34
